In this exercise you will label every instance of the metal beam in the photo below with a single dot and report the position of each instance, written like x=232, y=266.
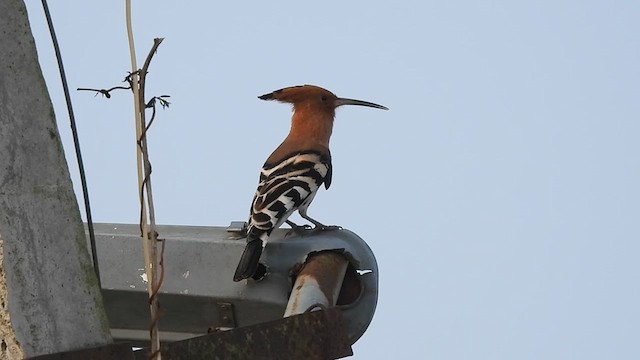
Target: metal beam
x=317, y=335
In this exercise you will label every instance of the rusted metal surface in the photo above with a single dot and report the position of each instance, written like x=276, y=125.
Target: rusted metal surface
x=317, y=335
x=120, y=351
x=318, y=283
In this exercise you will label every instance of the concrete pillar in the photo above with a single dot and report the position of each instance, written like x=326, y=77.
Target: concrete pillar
x=49, y=297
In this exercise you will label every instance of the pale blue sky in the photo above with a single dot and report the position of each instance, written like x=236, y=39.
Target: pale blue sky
x=500, y=192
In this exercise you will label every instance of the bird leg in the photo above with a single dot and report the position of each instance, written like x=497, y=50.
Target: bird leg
x=297, y=229
x=318, y=226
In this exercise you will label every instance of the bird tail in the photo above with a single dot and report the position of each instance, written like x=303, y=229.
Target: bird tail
x=249, y=261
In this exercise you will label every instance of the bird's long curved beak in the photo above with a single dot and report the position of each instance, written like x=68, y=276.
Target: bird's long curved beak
x=344, y=101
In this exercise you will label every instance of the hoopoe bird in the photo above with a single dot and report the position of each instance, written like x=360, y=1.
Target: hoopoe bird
x=294, y=172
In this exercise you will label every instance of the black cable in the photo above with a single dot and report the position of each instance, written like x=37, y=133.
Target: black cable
x=76, y=141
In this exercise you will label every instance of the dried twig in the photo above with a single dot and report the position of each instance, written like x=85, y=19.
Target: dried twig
x=106, y=92
x=154, y=261
x=150, y=242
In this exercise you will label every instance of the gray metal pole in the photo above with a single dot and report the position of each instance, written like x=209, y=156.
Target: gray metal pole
x=318, y=283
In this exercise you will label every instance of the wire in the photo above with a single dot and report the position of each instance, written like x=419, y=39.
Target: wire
x=76, y=141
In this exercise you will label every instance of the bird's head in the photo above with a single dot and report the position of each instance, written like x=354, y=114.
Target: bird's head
x=314, y=98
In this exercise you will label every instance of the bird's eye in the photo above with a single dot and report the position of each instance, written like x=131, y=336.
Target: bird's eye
x=324, y=98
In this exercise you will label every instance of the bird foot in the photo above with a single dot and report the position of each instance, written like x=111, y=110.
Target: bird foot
x=307, y=229
x=297, y=229
x=322, y=227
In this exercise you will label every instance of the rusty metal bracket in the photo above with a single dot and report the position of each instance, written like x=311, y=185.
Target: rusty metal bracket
x=237, y=227
x=226, y=317
x=317, y=335
x=121, y=351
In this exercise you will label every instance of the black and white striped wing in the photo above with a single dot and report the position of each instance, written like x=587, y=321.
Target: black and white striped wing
x=284, y=187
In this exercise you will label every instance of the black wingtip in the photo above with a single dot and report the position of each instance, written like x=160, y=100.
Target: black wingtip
x=249, y=261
